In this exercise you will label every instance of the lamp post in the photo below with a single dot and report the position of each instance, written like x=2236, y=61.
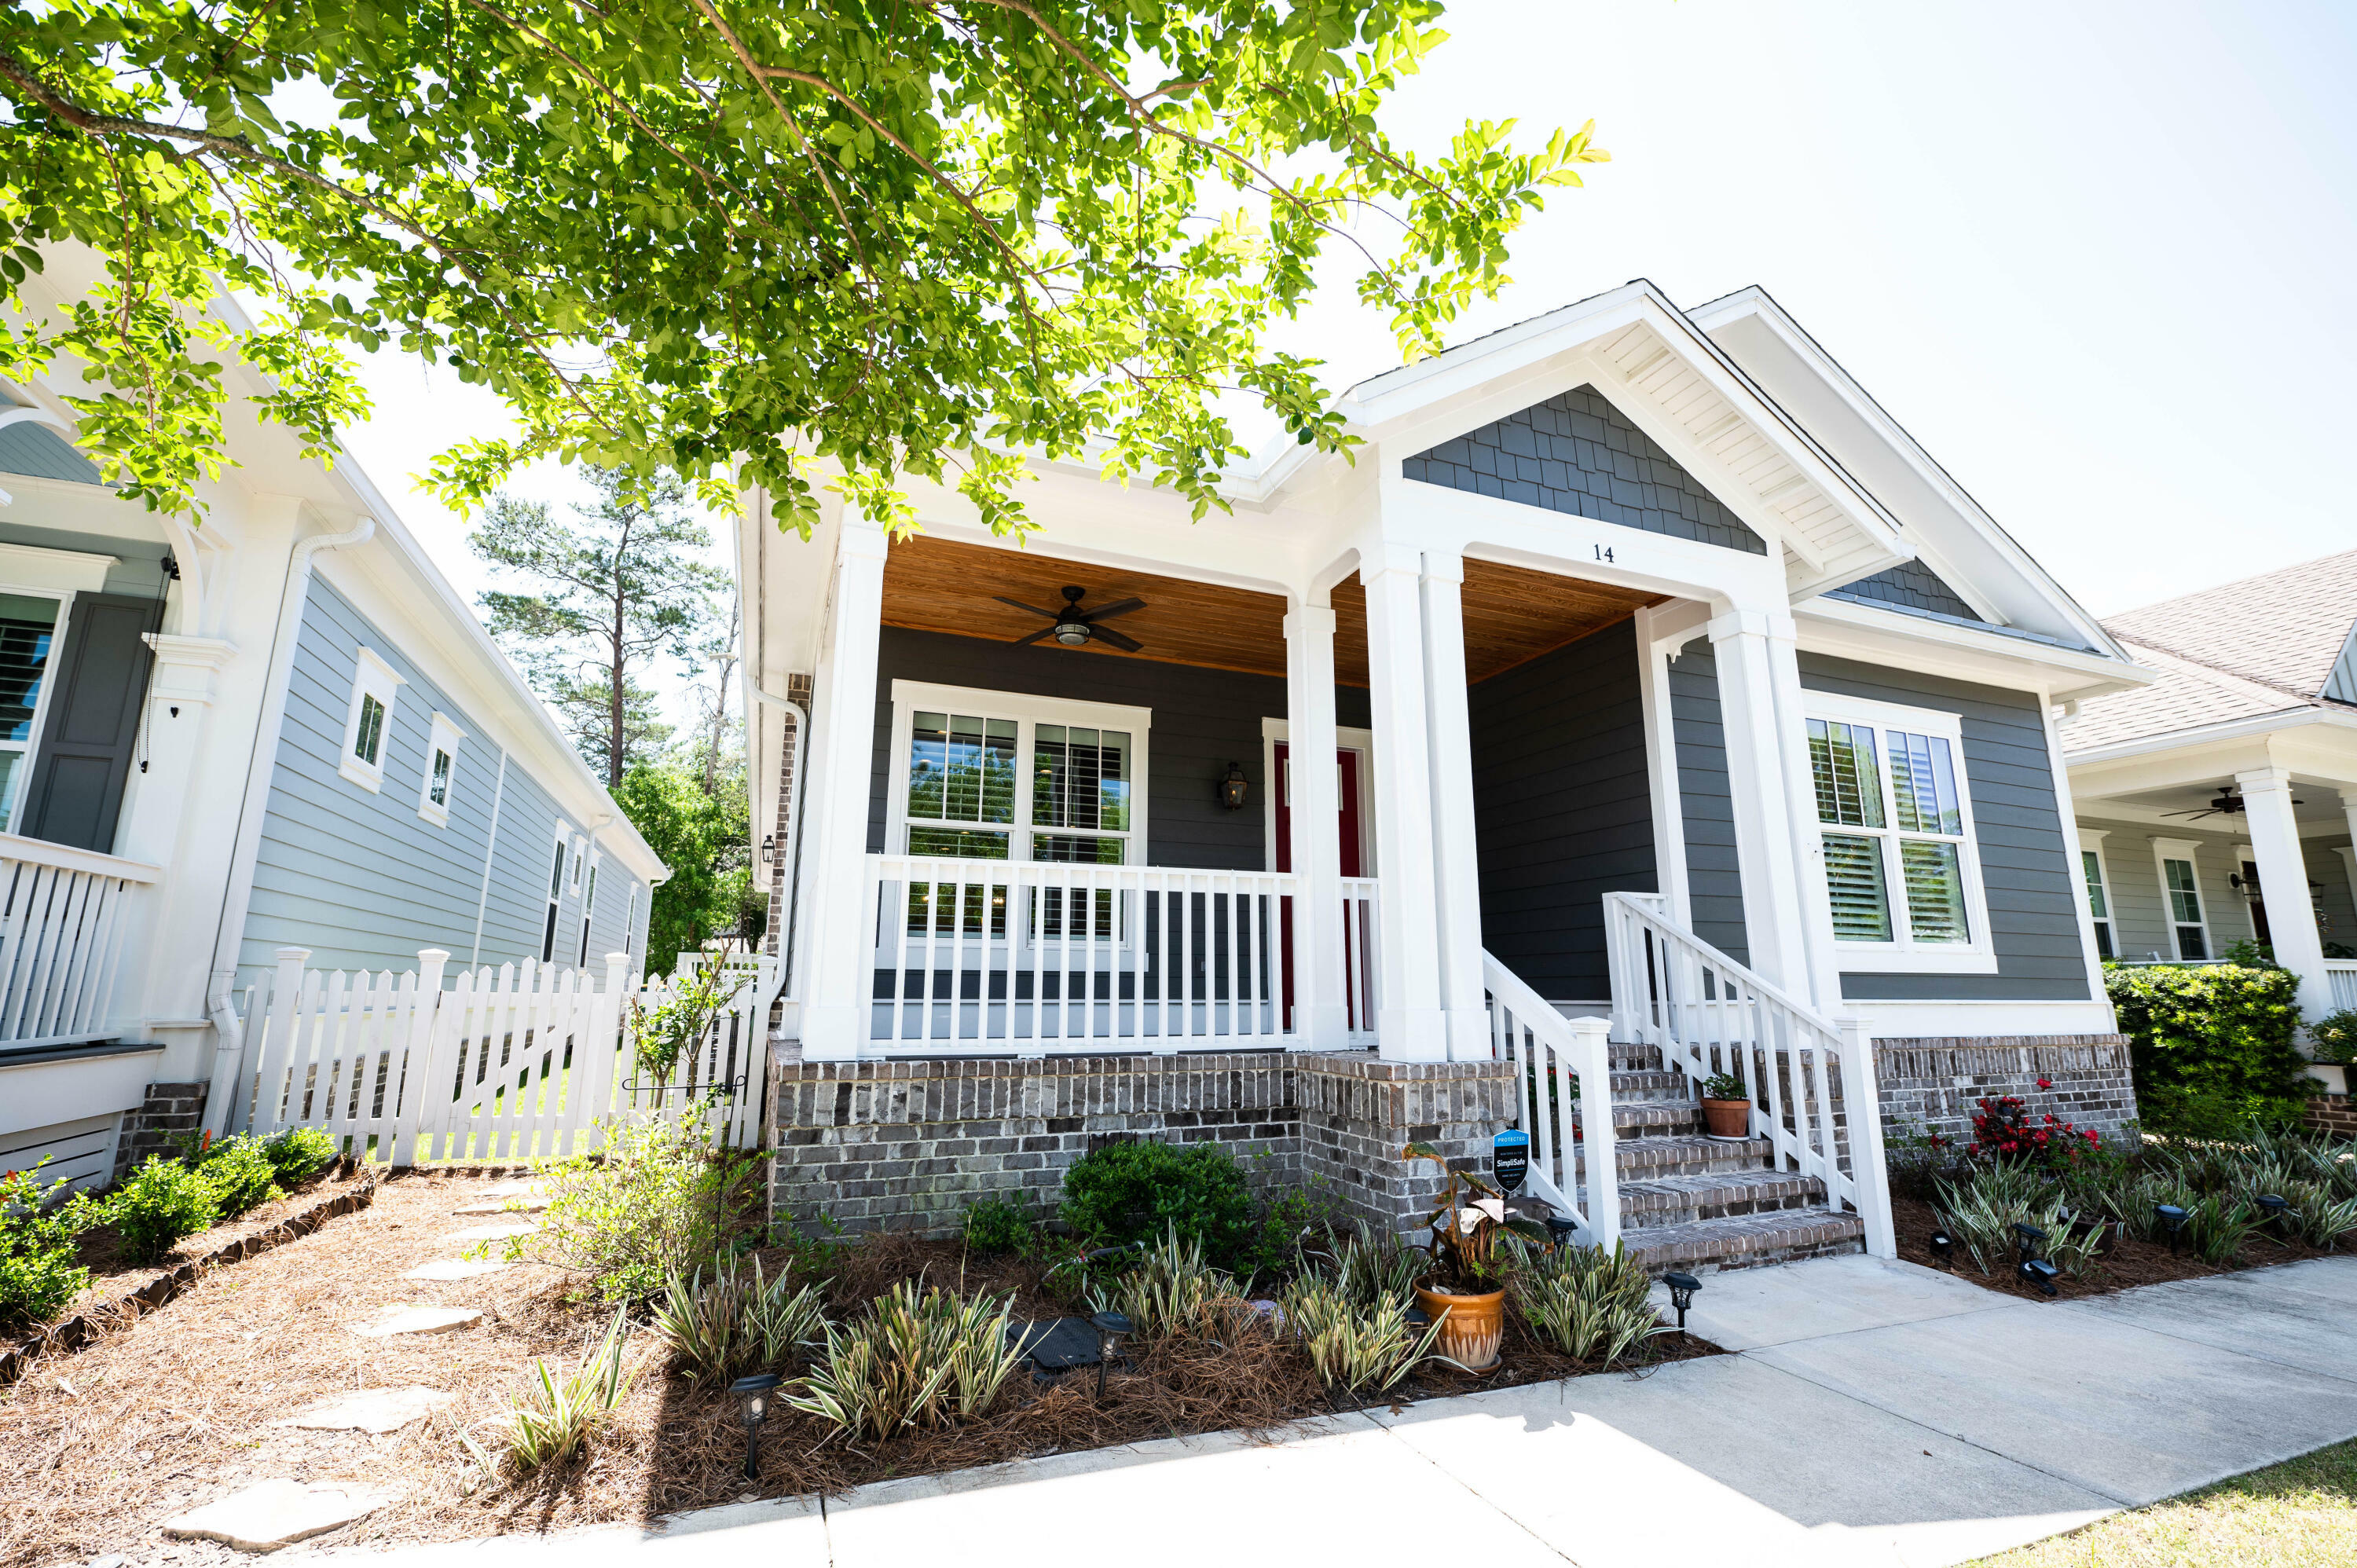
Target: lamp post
x=1110, y=1326
x=753, y=1408
x=2173, y=1217
x=1682, y=1294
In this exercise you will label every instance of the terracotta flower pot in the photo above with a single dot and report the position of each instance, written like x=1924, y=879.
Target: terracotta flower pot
x=1473, y=1328
x=1728, y=1118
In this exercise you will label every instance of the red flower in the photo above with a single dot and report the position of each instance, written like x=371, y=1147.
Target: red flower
x=2045, y=1083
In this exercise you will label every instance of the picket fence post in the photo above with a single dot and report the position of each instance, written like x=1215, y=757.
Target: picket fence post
x=417, y=1075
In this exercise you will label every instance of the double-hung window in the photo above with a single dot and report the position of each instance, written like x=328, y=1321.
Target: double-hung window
x=2099, y=895
x=28, y=627
x=2180, y=892
x=441, y=771
x=368, y=722
x=1000, y=776
x=1902, y=873
x=555, y=894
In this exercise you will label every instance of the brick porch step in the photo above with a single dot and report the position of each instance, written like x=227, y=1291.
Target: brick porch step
x=1653, y=1158
x=1653, y=1118
x=1746, y=1241
x=1649, y=1084
x=1715, y=1195
x=1626, y=1058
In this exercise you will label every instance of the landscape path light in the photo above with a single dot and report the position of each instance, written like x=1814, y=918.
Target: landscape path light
x=2273, y=1205
x=1944, y=1249
x=1682, y=1294
x=2027, y=1240
x=753, y=1408
x=1110, y=1326
x=2172, y=1215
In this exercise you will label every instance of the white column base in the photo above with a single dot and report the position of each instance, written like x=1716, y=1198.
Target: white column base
x=1412, y=1034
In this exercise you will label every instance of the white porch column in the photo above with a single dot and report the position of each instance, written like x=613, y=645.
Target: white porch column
x=1409, y=1020
x=1774, y=917
x=1315, y=805
x=2283, y=882
x=839, y=948
x=171, y=924
x=1816, y=927
x=1457, y=873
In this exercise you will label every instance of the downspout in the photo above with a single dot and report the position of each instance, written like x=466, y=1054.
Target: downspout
x=788, y=851
x=228, y=1034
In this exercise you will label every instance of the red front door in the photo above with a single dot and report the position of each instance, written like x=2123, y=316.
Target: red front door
x=1347, y=765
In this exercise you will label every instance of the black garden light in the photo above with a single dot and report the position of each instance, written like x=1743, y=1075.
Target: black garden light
x=1944, y=1249
x=1109, y=1327
x=2173, y=1217
x=2274, y=1206
x=1562, y=1229
x=1682, y=1294
x=753, y=1408
x=2033, y=1270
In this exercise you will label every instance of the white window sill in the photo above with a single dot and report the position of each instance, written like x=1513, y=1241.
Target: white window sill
x=1860, y=958
x=438, y=815
x=369, y=778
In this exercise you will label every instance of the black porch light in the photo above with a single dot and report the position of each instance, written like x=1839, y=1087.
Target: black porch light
x=2173, y=1217
x=1944, y=1249
x=1235, y=787
x=1682, y=1294
x=1110, y=1326
x=753, y=1408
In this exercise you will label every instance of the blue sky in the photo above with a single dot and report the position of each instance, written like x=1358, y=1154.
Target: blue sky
x=2094, y=256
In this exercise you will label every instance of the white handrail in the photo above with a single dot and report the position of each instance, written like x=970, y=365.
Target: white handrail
x=1546, y=1049
x=1708, y=1014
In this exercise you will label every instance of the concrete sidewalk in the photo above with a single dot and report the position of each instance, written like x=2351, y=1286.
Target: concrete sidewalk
x=1875, y=1413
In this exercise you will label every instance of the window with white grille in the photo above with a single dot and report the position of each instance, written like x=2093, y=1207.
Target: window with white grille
x=1903, y=871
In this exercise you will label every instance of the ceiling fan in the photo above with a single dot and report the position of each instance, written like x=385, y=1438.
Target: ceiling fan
x=2226, y=803
x=1074, y=626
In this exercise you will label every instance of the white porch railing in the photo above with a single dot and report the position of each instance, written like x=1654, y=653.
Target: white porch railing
x=1709, y=1014
x=61, y=924
x=513, y=1063
x=1562, y=1065
x=2342, y=973
x=1035, y=957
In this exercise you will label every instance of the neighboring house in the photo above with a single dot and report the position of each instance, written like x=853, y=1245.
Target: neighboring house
x=279, y=729
x=2217, y=805
x=1645, y=647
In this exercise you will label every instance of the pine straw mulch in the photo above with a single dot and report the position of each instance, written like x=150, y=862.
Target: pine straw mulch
x=2125, y=1262
x=174, y=1411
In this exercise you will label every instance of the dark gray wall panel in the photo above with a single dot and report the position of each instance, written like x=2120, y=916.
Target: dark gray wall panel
x=1911, y=583
x=1714, y=882
x=1203, y=720
x=1579, y=455
x=1562, y=807
x=2027, y=862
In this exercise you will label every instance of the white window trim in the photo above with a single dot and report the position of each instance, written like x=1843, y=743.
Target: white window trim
x=443, y=737
x=2091, y=842
x=371, y=677
x=553, y=919
x=2190, y=851
x=1903, y=954
x=910, y=697
x=588, y=906
x=1274, y=733
x=65, y=598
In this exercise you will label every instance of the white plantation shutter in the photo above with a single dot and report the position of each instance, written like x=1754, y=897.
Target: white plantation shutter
x=1853, y=881
x=1891, y=803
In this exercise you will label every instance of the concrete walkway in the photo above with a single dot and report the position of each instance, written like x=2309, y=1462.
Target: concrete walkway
x=1876, y=1414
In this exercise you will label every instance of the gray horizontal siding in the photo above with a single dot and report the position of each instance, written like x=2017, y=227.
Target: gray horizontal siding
x=79, y=1152
x=1578, y=453
x=2026, y=862
x=1203, y=720
x=360, y=877
x=1562, y=808
x=2140, y=919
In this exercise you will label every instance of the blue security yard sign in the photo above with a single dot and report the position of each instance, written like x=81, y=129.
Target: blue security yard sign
x=1510, y=1159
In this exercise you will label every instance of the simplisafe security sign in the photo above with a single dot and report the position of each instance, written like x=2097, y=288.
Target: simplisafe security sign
x=1510, y=1159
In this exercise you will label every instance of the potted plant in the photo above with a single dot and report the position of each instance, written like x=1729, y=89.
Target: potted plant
x=1726, y=1106
x=1464, y=1291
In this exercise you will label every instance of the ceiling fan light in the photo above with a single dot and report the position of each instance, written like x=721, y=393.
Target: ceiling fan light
x=1071, y=633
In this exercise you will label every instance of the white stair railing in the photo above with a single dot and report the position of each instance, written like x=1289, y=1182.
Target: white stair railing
x=1707, y=1014
x=62, y=918
x=1560, y=1064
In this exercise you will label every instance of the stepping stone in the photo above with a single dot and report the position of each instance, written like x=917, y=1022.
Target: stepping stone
x=518, y=1189
x=373, y=1410
x=271, y=1514
x=493, y=1232
x=522, y=1203
x=456, y=1269
x=419, y=1320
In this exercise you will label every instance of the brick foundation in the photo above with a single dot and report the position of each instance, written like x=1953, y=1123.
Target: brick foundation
x=1935, y=1084
x=2332, y=1114
x=908, y=1145
x=170, y=1111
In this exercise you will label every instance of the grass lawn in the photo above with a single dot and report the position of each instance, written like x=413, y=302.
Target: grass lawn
x=2300, y=1512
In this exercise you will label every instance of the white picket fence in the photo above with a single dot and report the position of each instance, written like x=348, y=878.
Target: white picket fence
x=521, y=1062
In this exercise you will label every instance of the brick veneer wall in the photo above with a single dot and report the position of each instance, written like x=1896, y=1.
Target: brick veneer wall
x=1935, y=1084
x=169, y=1111
x=908, y=1145
x=2334, y=1113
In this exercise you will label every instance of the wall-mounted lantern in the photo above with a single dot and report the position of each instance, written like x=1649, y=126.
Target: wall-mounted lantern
x=1234, y=788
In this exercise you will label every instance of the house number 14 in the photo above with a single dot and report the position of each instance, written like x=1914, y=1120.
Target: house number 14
x=1604, y=553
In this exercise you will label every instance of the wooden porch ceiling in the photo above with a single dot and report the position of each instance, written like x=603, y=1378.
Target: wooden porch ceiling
x=1512, y=614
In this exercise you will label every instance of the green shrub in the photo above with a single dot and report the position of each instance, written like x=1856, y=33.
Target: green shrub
x=39, y=1274
x=239, y=1173
x=1128, y=1192
x=2334, y=1036
x=157, y=1206
x=1354, y=1344
x=298, y=1153
x=913, y=1360
x=1587, y=1302
x=737, y=1322
x=557, y=1416
x=2212, y=1044
x=1169, y=1290
x=660, y=1202
x=997, y=1225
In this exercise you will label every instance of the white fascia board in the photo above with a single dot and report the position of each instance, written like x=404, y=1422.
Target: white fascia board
x=2224, y=732
x=1756, y=303
x=1852, y=630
